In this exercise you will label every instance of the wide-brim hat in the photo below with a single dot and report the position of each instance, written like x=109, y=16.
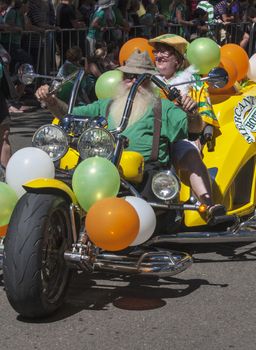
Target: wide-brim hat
x=105, y=3
x=177, y=42
x=138, y=63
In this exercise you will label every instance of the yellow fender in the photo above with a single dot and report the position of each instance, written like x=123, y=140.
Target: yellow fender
x=50, y=186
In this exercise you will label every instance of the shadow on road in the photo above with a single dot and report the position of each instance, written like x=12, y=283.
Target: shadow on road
x=101, y=291
x=138, y=293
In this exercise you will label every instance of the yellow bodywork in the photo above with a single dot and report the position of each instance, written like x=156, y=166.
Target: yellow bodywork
x=71, y=158
x=131, y=166
x=44, y=185
x=231, y=153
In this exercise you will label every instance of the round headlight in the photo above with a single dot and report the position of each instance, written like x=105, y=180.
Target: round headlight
x=165, y=185
x=96, y=142
x=51, y=139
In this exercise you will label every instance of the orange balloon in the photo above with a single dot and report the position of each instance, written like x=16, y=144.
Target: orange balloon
x=230, y=68
x=112, y=224
x=135, y=44
x=239, y=56
x=3, y=230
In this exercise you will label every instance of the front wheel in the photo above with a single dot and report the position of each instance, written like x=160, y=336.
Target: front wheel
x=35, y=272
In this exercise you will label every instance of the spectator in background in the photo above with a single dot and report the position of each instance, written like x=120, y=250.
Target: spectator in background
x=102, y=17
x=15, y=23
x=192, y=4
x=41, y=17
x=71, y=65
x=66, y=19
x=248, y=10
x=159, y=22
x=201, y=28
x=208, y=7
x=14, y=19
x=133, y=17
x=180, y=15
x=86, y=8
x=164, y=9
x=7, y=90
x=145, y=19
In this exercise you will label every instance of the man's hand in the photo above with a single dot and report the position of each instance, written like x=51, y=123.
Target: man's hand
x=42, y=94
x=188, y=104
x=57, y=107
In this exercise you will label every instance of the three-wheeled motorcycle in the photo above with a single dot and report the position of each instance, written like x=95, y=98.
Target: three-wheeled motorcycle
x=46, y=236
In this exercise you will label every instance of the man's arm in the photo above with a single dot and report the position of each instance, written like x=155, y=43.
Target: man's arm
x=59, y=108
x=195, y=123
x=56, y=106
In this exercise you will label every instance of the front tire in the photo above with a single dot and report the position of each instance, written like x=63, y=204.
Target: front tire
x=35, y=272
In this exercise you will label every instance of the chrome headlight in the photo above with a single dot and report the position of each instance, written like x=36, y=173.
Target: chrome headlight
x=165, y=185
x=96, y=142
x=51, y=139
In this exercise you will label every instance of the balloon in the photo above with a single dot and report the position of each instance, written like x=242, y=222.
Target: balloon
x=27, y=164
x=107, y=84
x=204, y=54
x=147, y=219
x=95, y=178
x=112, y=224
x=239, y=56
x=3, y=230
x=8, y=200
x=230, y=68
x=135, y=44
x=251, y=74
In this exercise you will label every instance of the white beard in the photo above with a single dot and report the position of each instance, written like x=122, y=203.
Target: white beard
x=143, y=99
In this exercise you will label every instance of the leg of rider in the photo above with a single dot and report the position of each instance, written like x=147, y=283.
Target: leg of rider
x=192, y=164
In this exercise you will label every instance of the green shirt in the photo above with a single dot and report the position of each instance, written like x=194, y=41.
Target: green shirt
x=140, y=133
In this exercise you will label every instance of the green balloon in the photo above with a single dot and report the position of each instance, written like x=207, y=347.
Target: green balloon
x=95, y=178
x=204, y=54
x=107, y=84
x=8, y=200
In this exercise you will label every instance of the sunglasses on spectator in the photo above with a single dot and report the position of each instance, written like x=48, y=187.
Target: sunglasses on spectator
x=130, y=76
x=163, y=52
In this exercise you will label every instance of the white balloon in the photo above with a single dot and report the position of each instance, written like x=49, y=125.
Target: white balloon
x=147, y=218
x=251, y=74
x=27, y=164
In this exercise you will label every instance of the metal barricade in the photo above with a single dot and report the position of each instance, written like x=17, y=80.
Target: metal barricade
x=47, y=48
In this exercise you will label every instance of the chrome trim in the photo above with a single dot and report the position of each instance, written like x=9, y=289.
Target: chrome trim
x=161, y=263
x=204, y=237
x=157, y=262
x=243, y=232
x=72, y=209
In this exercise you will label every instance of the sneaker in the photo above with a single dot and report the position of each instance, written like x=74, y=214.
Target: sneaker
x=215, y=211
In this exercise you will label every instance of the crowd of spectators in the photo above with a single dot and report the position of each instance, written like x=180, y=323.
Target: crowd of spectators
x=187, y=18
x=90, y=24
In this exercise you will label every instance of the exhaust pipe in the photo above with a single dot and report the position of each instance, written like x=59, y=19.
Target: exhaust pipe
x=154, y=263
x=239, y=232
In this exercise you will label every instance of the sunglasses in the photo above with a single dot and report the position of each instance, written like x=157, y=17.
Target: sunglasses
x=163, y=52
x=130, y=76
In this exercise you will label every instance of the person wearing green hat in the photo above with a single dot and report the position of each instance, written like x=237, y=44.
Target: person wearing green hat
x=170, y=61
x=140, y=129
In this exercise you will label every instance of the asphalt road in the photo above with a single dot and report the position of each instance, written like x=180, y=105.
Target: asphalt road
x=209, y=306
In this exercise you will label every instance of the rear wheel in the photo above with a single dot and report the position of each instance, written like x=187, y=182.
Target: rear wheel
x=35, y=272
